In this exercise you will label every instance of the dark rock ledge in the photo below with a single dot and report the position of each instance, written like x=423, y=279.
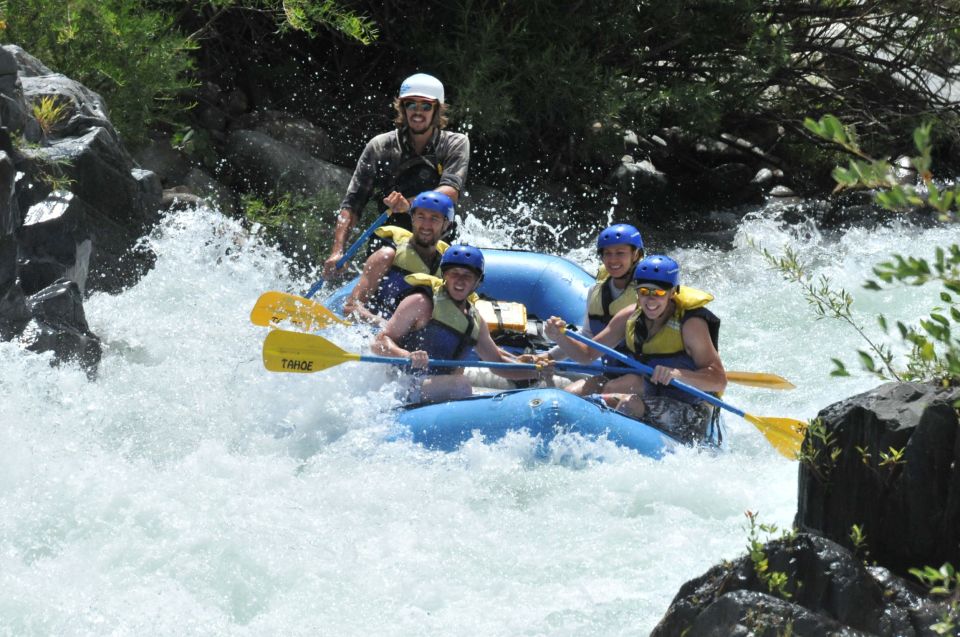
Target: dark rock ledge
x=886, y=461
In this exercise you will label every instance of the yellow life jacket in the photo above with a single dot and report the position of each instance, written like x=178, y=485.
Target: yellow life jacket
x=406, y=261
x=668, y=341
x=601, y=306
x=451, y=333
x=666, y=346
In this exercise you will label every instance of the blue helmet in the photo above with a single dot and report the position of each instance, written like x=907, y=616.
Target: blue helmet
x=436, y=201
x=620, y=234
x=658, y=269
x=463, y=256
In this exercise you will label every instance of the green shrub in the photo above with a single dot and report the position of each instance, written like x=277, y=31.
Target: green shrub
x=123, y=50
x=301, y=225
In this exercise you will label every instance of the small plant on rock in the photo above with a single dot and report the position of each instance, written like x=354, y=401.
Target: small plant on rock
x=945, y=583
x=49, y=111
x=775, y=581
x=819, y=450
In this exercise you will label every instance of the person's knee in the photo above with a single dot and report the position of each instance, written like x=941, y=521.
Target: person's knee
x=631, y=405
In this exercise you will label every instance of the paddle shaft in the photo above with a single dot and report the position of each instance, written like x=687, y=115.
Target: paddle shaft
x=751, y=379
x=399, y=360
x=646, y=369
x=352, y=250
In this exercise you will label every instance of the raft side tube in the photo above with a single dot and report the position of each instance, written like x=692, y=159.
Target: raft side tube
x=544, y=413
x=546, y=284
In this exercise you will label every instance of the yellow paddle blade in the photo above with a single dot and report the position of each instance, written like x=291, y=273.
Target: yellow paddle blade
x=298, y=353
x=785, y=434
x=273, y=307
x=759, y=379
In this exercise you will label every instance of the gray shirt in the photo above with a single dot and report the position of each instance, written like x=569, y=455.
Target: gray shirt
x=446, y=155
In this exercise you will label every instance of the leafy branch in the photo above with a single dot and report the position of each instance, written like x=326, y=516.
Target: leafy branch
x=934, y=348
x=866, y=172
x=828, y=302
x=943, y=582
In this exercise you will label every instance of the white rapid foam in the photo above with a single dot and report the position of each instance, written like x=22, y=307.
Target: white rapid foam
x=189, y=491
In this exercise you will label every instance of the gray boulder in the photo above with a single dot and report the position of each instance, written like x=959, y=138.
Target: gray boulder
x=908, y=506
x=267, y=165
x=829, y=591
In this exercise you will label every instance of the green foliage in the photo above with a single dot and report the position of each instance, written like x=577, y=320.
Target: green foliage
x=300, y=223
x=526, y=80
x=943, y=582
x=935, y=352
x=819, y=450
x=775, y=581
x=49, y=111
x=136, y=57
x=124, y=51
x=935, y=345
x=197, y=144
x=859, y=541
x=310, y=17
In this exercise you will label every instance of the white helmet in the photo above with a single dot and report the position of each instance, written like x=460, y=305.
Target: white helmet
x=422, y=85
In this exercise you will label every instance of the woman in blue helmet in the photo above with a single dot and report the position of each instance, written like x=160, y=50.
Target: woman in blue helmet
x=381, y=283
x=620, y=248
x=436, y=319
x=672, y=331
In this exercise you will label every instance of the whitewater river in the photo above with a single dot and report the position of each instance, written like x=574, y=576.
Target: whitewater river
x=190, y=492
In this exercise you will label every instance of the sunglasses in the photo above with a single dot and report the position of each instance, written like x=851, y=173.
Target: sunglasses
x=413, y=107
x=656, y=292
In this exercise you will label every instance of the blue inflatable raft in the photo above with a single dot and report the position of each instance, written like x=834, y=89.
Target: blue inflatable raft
x=547, y=285
x=543, y=413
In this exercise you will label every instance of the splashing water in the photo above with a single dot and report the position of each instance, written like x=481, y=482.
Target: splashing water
x=189, y=491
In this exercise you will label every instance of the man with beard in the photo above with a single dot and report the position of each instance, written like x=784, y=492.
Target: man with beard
x=419, y=155
x=382, y=282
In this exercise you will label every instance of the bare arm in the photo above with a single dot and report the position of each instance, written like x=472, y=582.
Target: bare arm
x=449, y=191
x=709, y=374
x=412, y=314
x=487, y=350
x=346, y=220
x=374, y=270
x=612, y=334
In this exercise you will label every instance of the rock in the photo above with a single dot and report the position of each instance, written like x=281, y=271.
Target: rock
x=14, y=313
x=643, y=191
x=236, y=103
x=13, y=107
x=169, y=164
x=213, y=118
x=904, y=171
x=829, y=591
x=9, y=206
x=909, y=508
x=783, y=195
x=268, y=165
x=27, y=65
x=56, y=243
x=206, y=187
x=84, y=109
x=729, y=178
x=298, y=133
x=59, y=325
